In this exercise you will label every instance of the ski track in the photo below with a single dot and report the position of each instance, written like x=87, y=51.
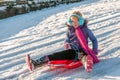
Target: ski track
x=37, y=39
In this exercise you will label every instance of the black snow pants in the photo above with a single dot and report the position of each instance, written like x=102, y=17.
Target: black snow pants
x=69, y=54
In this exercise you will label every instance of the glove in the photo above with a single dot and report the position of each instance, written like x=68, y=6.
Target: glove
x=67, y=46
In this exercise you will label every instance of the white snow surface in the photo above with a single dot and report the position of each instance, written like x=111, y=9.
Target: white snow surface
x=42, y=32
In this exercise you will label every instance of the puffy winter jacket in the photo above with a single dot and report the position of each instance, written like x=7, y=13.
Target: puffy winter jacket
x=71, y=38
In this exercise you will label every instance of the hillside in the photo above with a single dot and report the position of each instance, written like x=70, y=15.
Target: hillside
x=42, y=32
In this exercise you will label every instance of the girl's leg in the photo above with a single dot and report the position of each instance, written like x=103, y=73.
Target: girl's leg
x=40, y=61
x=63, y=55
x=87, y=62
x=81, y=55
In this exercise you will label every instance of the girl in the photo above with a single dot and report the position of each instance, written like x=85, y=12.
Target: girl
x=73, y=49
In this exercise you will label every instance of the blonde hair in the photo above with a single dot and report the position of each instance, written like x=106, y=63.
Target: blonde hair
x=80, y=14
x=77, y=12
x=74, y=17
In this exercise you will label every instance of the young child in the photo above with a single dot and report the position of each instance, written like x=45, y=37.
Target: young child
x=73, y=49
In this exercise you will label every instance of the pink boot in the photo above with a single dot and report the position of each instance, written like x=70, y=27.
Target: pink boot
x=87, y=63
x=29, y=62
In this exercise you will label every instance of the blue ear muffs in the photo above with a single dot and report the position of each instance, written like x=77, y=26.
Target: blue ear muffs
x=80, y=21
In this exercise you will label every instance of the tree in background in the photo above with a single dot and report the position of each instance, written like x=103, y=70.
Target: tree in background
x=24, y=6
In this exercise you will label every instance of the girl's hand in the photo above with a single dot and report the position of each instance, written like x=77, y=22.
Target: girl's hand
x=67, y=46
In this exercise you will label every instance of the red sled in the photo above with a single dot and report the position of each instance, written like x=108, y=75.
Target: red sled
x=69, y=64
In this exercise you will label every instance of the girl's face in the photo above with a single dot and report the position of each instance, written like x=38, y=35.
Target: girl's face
x=74, y=21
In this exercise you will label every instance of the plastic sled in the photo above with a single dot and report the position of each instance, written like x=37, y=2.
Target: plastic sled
x=69, y=64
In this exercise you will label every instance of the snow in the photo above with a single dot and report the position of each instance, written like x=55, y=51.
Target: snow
x=42, y=32
x=2, y=8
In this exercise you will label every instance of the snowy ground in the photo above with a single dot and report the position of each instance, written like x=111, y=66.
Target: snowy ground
x=42, y=32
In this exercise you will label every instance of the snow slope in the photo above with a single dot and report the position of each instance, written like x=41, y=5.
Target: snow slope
x=42, y=32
